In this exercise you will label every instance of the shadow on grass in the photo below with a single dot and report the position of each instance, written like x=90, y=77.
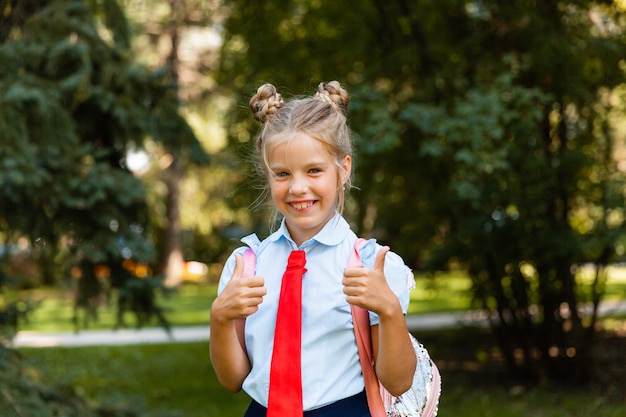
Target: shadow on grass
x=476, y=383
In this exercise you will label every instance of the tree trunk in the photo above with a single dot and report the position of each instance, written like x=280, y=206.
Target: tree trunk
x=172, y=247
x=172, y=251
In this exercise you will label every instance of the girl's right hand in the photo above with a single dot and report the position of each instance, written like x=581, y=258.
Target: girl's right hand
x=239, y=299
x=241, y=296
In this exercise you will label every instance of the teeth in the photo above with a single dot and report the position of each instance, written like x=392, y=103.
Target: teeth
x=300, y=206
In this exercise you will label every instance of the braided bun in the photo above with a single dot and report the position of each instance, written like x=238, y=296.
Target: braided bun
x=265, y=102
x=333, y=93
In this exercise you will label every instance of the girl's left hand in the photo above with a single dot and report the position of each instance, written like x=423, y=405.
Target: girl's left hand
x=368, y=288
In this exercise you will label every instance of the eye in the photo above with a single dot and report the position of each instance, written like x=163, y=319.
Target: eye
x=281, y=174
x=315, y=170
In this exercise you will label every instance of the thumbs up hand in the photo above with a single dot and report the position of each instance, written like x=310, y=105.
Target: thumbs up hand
x=241, y=296
x=368, y=288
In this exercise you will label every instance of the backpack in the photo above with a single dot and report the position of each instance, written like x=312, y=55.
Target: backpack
x=421, y=400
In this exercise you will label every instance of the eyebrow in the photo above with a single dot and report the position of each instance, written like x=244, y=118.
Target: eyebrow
x=317, y=163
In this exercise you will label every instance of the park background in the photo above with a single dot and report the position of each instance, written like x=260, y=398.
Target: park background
x=490, y=155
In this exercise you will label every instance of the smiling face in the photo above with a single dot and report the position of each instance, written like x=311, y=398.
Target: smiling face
x=305, y=180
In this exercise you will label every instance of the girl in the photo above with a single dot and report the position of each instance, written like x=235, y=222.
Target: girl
x=304, y=151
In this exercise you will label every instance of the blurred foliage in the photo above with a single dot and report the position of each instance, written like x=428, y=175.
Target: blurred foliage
x=73, y=102
x=488, y=135
x=209, y=220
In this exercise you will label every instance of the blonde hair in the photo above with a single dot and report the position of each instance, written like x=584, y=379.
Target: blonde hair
x=322, y=117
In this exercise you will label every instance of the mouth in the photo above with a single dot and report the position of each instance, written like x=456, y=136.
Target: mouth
x=302, y=205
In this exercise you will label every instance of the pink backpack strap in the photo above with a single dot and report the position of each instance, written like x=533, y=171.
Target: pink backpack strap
x=362, y=331
x=249, y=267
x=249, y=263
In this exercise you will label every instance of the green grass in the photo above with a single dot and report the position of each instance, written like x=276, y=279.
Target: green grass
x=179, y=378
x=463, y=400
x=439, y=292
x=186, y=306
x=616, y=283
x=171, y=377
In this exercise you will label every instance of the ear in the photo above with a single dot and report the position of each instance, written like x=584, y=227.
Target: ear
x=346, y=169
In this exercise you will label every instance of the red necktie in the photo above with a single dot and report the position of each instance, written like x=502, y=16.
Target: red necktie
x=285, y=396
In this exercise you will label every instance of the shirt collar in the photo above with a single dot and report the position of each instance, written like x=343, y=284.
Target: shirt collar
x=333, y=232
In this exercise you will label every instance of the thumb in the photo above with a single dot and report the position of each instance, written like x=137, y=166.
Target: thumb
x=379, y=264
x=239, y=264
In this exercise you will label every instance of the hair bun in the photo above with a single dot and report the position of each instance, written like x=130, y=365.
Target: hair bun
x=333, y=93
x=265, y=102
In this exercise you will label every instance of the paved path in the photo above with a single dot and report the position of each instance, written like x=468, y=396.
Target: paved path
x=195, y=333
x=415, y=323
x=110, y=337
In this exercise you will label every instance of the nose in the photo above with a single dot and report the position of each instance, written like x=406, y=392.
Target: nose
x=298, y=185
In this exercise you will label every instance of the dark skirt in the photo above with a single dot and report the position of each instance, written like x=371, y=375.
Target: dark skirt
x=355, y=406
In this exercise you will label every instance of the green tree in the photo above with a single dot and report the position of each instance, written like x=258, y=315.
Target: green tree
x=484, y=138
x=534, y=188
x=72, y=103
